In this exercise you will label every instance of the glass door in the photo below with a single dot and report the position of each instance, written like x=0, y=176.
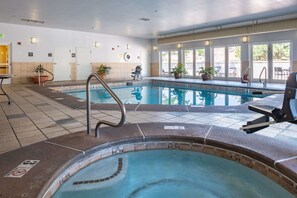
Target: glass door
x=200, y=60
x=173, y=59
x=259, y=59
x=5, y=61
x=219, y=61
x=281, y=60
x=189, y=61
x=234, y=61
x=165, y=63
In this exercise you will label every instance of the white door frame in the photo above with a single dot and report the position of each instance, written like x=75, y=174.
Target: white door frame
x=9, y=51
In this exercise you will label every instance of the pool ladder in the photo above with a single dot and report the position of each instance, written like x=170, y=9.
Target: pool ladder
x=115, y=97
x=265, y=77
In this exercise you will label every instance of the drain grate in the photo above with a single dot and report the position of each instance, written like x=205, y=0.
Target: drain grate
x=119, y=169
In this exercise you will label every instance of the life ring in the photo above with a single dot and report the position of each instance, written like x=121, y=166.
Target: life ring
x=127, y=56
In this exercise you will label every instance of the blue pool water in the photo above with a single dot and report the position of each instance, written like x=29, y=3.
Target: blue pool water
x=170, y=173
x=149, y=94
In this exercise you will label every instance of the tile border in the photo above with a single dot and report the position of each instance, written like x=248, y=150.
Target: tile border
x=243, y=159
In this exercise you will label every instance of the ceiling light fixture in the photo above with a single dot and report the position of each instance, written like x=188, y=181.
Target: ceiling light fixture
x=155, y=48
x=244, y=39
x=179, y=45
x=207, y=43
x=97, y=44
x=33, y=40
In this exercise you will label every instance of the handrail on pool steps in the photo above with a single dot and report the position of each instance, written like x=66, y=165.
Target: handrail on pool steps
x=39, y=75
x=115, y=97
x=264, y=70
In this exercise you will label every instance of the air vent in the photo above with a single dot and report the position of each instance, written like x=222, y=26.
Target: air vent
x=143, y=19
x=32, y=21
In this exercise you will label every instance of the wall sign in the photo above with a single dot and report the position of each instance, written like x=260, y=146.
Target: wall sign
x=22, y=169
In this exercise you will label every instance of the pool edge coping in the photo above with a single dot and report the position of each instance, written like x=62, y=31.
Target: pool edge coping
x=276, y=173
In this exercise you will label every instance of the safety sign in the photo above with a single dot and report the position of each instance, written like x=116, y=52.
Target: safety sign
x=22, y=169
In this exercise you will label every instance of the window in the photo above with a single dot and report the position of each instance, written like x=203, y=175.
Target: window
x=234, y=61
x=189, y=61
x=200, y=60
x=219, y=61
x=165, y=63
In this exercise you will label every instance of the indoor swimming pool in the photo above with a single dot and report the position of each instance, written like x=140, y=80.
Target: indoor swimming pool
x=168, y=173
x=161, y=95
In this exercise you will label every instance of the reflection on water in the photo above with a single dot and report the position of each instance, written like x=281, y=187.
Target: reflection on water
x=137, y=93
x=101, y=95
x=179, y=96
x=168, y=96
x=206, y=98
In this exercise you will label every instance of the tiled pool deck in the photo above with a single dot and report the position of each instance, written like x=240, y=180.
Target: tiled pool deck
x=35, y=118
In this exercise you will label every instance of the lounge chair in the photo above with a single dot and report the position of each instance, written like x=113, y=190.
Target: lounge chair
x=288, y=112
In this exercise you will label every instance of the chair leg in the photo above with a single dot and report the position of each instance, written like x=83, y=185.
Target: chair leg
x=256, y=125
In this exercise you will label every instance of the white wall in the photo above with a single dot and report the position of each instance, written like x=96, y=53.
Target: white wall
x=50, y=39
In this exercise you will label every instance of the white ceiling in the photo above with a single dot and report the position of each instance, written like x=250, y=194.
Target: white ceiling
x=121, y=17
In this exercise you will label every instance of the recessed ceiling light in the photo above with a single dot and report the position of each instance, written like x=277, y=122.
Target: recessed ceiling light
x=143, y=19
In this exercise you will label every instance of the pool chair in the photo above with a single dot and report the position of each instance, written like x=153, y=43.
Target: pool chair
x=136, y=75
x=288, y=112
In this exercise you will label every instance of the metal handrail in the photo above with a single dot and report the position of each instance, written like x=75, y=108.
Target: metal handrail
x=248, y=72
x=265, y=79
x=115, y=97
x=47, y=80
